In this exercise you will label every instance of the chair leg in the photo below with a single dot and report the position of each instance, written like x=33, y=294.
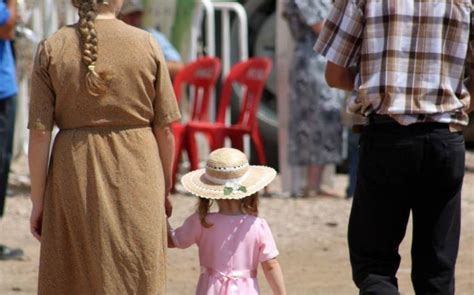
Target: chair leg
x=217, y=140
x=257, y=140
x=192, y=149
x=176, y=160
x=237, y=141
x=193, y=152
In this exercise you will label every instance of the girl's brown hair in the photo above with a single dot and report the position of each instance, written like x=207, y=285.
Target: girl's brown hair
x=96, y=83
x=248, y=205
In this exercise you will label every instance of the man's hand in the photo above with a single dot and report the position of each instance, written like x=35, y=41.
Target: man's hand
x=471, y=106
x=7, y=31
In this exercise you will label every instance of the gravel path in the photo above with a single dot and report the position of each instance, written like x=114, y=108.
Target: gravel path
x=310, y=233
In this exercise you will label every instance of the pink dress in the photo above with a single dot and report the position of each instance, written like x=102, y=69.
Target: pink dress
x=229, y=251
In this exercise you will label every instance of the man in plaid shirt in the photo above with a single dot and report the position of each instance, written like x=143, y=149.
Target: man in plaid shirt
x=411, y=59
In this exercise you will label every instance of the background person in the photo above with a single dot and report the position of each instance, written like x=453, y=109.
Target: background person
x=98, y=209
x=132, y=14
x=315, y=129
x=8, y=91
x=411, y=58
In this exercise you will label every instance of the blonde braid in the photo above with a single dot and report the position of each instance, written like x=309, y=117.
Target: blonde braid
x=96, y=83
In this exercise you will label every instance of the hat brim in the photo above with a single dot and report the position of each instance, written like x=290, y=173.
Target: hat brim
x=256, y=179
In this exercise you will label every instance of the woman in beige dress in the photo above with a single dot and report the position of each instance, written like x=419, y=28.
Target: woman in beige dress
x=98, y=208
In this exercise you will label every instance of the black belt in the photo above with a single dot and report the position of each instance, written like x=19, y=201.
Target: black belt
x=385, y=120
x=381, y=119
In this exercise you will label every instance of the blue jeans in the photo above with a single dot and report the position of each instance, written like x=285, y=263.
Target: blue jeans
x=402, y=169
x=7, y=125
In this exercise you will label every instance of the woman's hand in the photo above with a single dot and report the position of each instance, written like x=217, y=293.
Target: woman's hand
x=168, y=206
x=36, y=221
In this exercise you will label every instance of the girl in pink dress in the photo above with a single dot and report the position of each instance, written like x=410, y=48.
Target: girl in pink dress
x=233, y=241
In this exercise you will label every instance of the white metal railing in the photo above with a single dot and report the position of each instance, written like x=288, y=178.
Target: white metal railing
x=209, y=8
x=226, y=9
x=206, y=8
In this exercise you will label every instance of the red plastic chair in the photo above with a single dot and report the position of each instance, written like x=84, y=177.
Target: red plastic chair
x=252, y=76
x=201, y=76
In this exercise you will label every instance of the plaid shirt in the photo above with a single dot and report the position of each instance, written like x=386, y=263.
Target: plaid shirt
x=411, y=56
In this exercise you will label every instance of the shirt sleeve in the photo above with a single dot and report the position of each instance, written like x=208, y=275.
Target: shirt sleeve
x=41, y=110
x=312, y=11
x=170, y=53
x=267, y=246
x=165, y=105
x=188, y=234
x=4, y=14
x=341, y=38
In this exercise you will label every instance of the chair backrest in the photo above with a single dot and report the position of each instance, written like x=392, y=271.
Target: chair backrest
x=252, y=76
x=201, y=76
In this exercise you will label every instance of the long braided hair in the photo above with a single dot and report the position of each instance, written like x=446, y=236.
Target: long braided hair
x=96, y=83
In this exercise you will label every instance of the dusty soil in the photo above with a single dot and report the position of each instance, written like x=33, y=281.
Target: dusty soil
x=310, y=233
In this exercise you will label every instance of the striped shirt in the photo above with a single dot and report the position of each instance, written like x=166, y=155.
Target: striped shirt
x=410, y=55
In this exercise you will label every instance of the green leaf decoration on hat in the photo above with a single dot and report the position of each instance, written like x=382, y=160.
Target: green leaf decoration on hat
x=233, y=187
x=228, y=191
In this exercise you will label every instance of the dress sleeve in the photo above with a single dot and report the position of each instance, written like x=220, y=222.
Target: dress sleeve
x=341, y=38
x=42, y=97
x=188, y=234
x=313, y=11
x=165, y=105
x=267, y=246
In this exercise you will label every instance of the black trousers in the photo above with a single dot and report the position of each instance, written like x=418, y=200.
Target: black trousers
x=402, y=169
x=7, y=123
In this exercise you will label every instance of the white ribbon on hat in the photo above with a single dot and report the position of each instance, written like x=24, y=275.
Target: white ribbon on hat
x=225, y=182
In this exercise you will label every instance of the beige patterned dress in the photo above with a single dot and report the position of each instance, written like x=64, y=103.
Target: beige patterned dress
x=104, y=228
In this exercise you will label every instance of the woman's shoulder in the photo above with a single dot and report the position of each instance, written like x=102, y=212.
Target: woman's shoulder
x=131, y=31
x=62, y=35
x=122, y=31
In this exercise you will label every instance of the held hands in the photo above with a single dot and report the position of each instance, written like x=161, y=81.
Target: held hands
x=169, y=230
x=36, y=221
x=168, y=206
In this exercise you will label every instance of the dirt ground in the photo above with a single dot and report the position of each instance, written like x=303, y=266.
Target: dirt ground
x=310, y=233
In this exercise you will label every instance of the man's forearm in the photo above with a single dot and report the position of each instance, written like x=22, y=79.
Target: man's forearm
x=7, y=31
x=339, y=77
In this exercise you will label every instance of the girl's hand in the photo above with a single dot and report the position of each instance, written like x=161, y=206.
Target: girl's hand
x=168, y=206
x=36, y=221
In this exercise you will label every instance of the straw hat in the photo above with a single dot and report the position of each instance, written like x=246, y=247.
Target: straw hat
x=130, y=6
x=227, y=175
